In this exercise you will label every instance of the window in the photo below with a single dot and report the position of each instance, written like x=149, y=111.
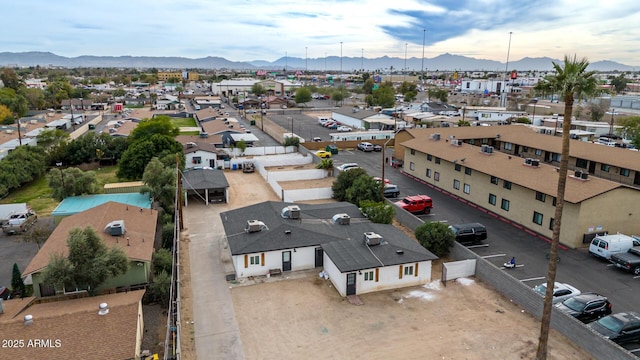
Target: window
x=408, y=270
x=467, y=171
x=436, y=176
x=467, y=188
x=368, y=276
x=485, y=141
x=508, y=146
x=537, y=218
x=437, y=160
x=551, y=223
x=429, y=157
x=624, y=172
x=494, y=180
x=541, y=196
x=581, y=163
x=555, y=157
x=457, y=167
x=505, y=205
x=554, y=201
x=412, y=166
x=538, y=152
x=605, y=167
x=492, y=199
x=506, y=184
x=413, y=152
x=525, y=149
x=456, y=184
x=197, y=160
x=472, y=141
x=428, y=174
x=255, y=260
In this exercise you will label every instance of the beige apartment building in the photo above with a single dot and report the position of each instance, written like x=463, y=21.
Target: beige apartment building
x=521, y=190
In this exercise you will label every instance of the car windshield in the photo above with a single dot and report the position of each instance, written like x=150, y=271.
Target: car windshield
x=406, y=201
x=541, y=289
x=575, y=304
x=611, y=323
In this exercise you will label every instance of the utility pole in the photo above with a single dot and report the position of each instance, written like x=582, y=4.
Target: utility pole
x=503, y=98
x=404, y=79
x=424, y=36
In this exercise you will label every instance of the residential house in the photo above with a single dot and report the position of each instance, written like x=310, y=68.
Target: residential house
x=107, y=327
x=199, y=154
x=131, y=228
x=357, y=255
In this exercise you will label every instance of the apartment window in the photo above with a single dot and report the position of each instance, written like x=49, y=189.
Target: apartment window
x=485, y=141
x=505, y=205
x=555, y=157
x=551, y=223
x=429, y=157
x=436, y=176
x=428, y=174
x=472, y=141
x=197, y=160
x=506, y=184
x=413, y=152
x=525, y=148
x=412, y=166
x=368, y=275
x=537, y=218
x=554, y=201
x=624, y=172
x=581, y=163
x=408, y=270
x=541, y=196
x=538, y=152
x=467, y=188
x=254, y=260
x=492, y=199
x=437, y=160
x=605, y=167
x=457, y=167
x=494, y=180
x=508, y=146
x=456, y=184
x=467, y=171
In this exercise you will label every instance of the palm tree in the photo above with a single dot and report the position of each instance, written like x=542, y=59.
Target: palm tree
x=571, y=81
x=326, y=164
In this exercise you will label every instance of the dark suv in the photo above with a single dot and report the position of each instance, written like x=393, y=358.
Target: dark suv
x=471, y=233
x=619, y=328
x=586, y=307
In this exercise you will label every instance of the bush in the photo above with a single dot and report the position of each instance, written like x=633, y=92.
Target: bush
x=435, y=237
x=158, y=291
x=162, y=261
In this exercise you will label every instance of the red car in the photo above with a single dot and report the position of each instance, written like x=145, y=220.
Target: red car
x=416, y=204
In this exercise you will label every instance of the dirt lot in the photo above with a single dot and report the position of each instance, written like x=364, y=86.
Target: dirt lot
x=304, y=317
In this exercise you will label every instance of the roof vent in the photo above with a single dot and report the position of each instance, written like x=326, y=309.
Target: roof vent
x=535, y=162
x=455, y=142
x=28, y=319
x=527, y=161
x=291, y=212
x=115, y=228
x=372, y=239
x=435, y=136
x=341, y=219
x=400, y=252
x=288, y=232
x=255, y=226
x=486, y=149
x=103, y=309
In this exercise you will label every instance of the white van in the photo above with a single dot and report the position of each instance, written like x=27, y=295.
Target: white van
x=323, y=119
x=603, y=246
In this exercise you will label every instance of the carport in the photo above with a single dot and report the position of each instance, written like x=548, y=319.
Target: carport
x=206, y=184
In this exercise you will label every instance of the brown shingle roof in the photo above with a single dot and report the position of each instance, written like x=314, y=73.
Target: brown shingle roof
x=207, y=113
x=81, y=332
x=543, y=178
x=218, y=126
x=140, y=225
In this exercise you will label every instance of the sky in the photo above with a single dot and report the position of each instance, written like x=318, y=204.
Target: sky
x=244, y=30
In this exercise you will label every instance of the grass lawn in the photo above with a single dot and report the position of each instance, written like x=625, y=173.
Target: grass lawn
x=189, y=133
x=184, y=122
x=38, y=193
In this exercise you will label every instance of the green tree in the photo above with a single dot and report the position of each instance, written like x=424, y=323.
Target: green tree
x=162, y=261
x=17, y=284
x=135, y=159
x=158, y=291
x=631, y=127
x=291, y=141
x=89, y=264
x=159, y=125
x=57, y=91
x=303, y=96
x=119, y=92
x=571, y=80
x=38, y=233
x=363, y=188
x=15, y=102
x=71, y=182
x=167, y=235
x=10, y=79
x=337, y=96
x=326, y=164
x=440, y=94
x=407, y=87
x=435, y=237
x=160, y=182
x=597, y=110
x=378, y=212
x=242, y=145
x=619, y=83
x=257, y=89
x=22, y=165
x=384, y=96
x=35, y=98
x=344, y=181
x=6, y=117
x=368, y=85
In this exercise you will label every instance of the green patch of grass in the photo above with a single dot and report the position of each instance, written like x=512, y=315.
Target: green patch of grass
x=106, y=175
x=189, y=133
x=184, y=122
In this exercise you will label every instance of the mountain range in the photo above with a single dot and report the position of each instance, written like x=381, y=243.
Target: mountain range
x=444, y=62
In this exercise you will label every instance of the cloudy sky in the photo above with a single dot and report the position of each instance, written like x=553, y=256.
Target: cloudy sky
x=246, y=30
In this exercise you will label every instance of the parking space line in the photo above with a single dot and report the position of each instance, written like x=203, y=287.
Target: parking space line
x=637, y=277
x=477, y=246
x=492, y=256
x=533, y=279
x=633, y=350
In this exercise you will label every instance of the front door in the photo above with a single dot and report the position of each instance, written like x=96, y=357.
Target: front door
x=286, y=261
x=592, y=167
x=319, y=255
x=351, y=284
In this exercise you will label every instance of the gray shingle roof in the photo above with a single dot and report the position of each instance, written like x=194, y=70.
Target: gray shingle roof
x=204, y=179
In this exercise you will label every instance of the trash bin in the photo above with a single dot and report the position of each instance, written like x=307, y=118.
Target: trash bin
x=235, y=167
x=253, y=122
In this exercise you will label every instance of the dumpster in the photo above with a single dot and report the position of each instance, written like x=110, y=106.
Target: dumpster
x=253, y=122
x=92, y=127
x=235, y=167
x=333, y=149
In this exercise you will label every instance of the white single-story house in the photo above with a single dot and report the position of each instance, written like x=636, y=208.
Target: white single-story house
x=357, y=255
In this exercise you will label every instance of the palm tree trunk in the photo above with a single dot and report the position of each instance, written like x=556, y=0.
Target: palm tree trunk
x=555, y=240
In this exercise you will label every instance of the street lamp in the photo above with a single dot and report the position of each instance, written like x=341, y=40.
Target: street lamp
x=613, y=111
x=534, y=101
x=59, y=165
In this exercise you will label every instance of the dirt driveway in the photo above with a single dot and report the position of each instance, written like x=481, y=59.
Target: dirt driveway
x=303, y=317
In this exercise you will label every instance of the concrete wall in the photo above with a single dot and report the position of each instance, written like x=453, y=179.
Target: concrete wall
x=306, y=194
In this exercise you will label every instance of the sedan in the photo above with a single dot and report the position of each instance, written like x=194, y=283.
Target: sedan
x=619, y=328
x=323, y=154
x=586, y=307
x=343, y=129
x=561, y=291
x=347, y=166
x=377, y=147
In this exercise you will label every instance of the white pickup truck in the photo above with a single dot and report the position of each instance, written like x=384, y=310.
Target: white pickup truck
x=19, y=223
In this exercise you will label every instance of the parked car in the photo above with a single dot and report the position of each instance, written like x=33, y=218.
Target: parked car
x=323, y=154
x=391, y=191
x=629, y=261
x=377, y=148
x=348, y=166
x=561, y=291
x=619, y=328
x=586, y=307
x=416, y=204
x=333, y=126
x=343, y=128
x=378, y=179
x=365, y=146
x=19, y=223
x=317, y=138
x=469, y=233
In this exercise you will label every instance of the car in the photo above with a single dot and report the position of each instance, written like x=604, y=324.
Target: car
x=365, y=146
x=561, y=291
x=391, y=191
x=377, y=148
x=619, y=328
x=252, y=111
x=586, y=307
x=323, y=154
x=416, y=204
x=332, y=126
x=348, y=166
x=343, y=128
x=469, y=233
x=317, y=138
x=329, y=123
x=378, y=179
